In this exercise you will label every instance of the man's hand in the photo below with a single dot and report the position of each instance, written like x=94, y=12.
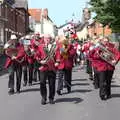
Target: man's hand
x=13, y=57
x=42, y=62
x=114, y=62
x=56, y=64
x=37, y=43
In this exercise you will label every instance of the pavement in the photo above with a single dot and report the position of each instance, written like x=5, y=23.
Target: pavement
x=83, y=103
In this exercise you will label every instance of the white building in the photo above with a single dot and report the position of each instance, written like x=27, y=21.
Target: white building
x=64, y=27
x=42, y=24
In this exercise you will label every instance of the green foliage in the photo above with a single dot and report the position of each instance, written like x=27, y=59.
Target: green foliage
x=107, y=13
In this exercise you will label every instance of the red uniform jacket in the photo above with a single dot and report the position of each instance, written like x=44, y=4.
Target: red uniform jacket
x=9, y=61
x=34, y=46
x=67, y=63
x=85, y=48
x=41, y=55
x=100, y=64
x=26, y=59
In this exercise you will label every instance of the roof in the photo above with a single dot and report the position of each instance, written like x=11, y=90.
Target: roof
x=36, y=14
x=64, y=25
x=21, y=4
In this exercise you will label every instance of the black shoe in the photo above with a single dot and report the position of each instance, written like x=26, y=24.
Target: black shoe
x=11, y=91
x=65, y=86
x=24, y=84
x=96, y=87
x=91, y=78
x=30, y=84
x=59, y=92
x=18, y=91
x=51, y=101
x=43, y=101
x=103, y=97
x=69, y=90
x=35, y=80
x=109, y=96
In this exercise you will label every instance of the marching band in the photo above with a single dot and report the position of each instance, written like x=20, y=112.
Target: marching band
x=52, y=59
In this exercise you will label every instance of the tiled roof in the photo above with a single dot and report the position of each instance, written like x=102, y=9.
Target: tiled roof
x=36, y=14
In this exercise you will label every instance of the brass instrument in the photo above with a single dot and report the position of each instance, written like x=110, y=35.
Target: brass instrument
x=10, y=49
x=64, y=49
x=49, y=59
x=51, y=53
x=28, y=50
x=106, y=54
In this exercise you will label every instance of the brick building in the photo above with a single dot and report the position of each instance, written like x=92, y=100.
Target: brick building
x=14, y=18
x=97, y=28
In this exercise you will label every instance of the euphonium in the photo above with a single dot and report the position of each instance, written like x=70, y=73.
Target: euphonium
x=106, y=54
x=49, y=59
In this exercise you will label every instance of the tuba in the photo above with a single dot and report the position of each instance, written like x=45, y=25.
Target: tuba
x=106, y=54
x=10, y=48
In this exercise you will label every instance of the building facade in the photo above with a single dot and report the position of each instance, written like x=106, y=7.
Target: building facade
x=13, y=20
x=42, y=24
x=97, y=28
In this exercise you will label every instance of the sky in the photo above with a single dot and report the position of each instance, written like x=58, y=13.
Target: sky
x=60, y=10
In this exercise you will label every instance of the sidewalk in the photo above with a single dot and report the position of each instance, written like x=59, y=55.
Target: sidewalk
x=116, y=75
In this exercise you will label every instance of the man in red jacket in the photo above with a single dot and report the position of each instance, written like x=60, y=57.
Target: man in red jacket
x=47, y=69
x=37, y=41
x=27, y=55
x=104, y=68
x=13, y=66
x=67, y=53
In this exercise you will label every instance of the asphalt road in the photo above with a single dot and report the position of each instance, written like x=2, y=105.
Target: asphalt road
x=83, y=103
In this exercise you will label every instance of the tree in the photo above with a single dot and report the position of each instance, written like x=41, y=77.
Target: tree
x=107, y=13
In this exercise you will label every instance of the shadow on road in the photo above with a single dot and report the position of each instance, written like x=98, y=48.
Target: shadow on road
x=76, y=100
x=30, y=90
x=80, y=84
x=36, y=83
x=81, y=91
x=79, y=80
x=115, y=85
x=112, y=81
x=115, y=95
x=78, y=91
